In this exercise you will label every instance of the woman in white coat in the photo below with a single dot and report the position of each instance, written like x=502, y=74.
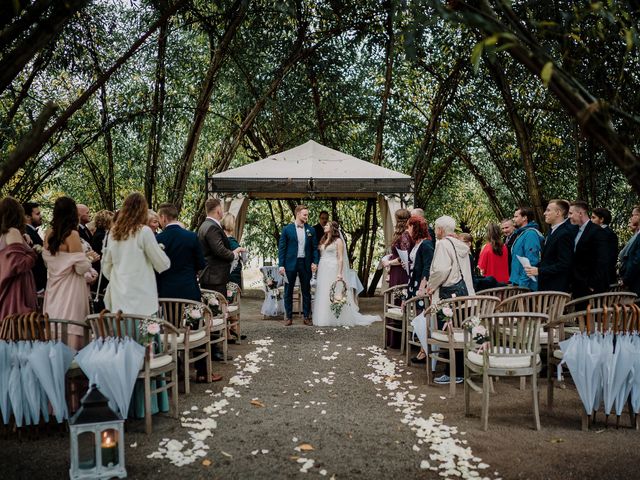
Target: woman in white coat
x=130, y=257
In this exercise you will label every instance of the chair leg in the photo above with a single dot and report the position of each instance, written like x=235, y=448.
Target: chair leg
x=174, y=392
x=467, y=391
x=147, y=405
x=428, y=364
x=452, y=372
x=485, y=400
x=225, y=347
x=403, y=337
x=187, y=386
x=536, y=409
x=523, y=383
x=208, y=368
x=585, y=421
x=550, y=386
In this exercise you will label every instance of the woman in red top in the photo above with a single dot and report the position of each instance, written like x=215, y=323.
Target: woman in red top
x=493, y=261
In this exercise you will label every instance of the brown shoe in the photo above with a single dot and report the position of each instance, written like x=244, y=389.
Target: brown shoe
x=288, y=322
x=308, y=322
x=203, y=379
x=215, y=377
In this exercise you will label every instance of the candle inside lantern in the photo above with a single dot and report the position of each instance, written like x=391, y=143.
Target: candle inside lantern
x=109, y=449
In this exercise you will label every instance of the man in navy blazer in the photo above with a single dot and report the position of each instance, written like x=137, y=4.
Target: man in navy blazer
x=554, y=269
x=602, y=217
x=630, y=255
x=589, y=272
x=298, y=257
x=185, y=252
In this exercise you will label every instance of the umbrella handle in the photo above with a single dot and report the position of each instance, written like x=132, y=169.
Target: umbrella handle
x=588, y=319
x=118, y=319
x=605, y=320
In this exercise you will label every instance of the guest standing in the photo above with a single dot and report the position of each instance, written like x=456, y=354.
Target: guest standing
x=130, y=258
x=33, y=220
x=84, y=218
x=602, y=217
x=401, y=241
x=228, y=223
x=153, y=221
x=554, y=269
x=102, y=220
x=493, y=259
x=527, y=243
x=17, y=285
x=67, y=292
x=630, y=255
x=589, y=273
x=323, y=218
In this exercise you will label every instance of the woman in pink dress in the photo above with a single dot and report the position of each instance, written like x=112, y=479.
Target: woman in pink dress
x=493, y=260
x=17, y=285
x=67, y=292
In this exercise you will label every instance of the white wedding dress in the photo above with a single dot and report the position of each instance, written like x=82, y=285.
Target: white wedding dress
x=326, y=275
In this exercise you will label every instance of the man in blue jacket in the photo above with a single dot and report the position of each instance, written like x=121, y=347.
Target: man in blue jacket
x=527, y=244
x=298, y=257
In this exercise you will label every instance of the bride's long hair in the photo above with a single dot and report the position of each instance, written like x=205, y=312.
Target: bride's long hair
x=329, y=237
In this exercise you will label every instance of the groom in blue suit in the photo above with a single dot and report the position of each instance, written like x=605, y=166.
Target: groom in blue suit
x=298, y=256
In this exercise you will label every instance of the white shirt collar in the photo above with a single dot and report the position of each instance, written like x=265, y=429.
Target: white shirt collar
x=217, y=222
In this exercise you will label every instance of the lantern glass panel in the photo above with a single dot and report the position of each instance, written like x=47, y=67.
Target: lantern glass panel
x=86, y=451
x=109, y=446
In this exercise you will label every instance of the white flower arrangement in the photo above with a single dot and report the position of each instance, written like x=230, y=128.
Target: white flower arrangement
x=148, y=329
x=477, y=330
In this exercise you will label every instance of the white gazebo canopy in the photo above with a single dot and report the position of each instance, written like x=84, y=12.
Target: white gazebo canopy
x=311, y=171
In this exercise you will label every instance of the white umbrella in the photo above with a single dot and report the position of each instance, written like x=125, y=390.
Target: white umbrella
x=624, y=371
x=41, y=367
x=30, y=385
x=582, y=356
x=635, y=378
x=5, y=371
x=126, y=366
x=608, y=359
x=95, y=361
x=15, y=385
x=419, y=324
x=596, y=345
x=61, y=357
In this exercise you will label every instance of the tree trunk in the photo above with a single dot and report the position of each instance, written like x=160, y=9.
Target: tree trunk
x=157, y=117
x=47, y=29
x=523, y=137
x=388, y=81
x=581, y=180
x=422, y=163
x=26, y=150
x=236, y=15
x=315, y=96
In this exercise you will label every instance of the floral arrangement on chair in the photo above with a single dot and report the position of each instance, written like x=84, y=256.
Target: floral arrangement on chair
x=338, y=300
x=192, y=315
x=232, y=290
x=400, y=294
x=478, y=332
x=443, y=312
x=211, y=300
x=148, y=329
x=272, y=285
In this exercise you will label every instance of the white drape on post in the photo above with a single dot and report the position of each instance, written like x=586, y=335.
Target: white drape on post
x=237, y=206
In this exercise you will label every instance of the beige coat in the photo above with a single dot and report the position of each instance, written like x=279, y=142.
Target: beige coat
x=444, y=267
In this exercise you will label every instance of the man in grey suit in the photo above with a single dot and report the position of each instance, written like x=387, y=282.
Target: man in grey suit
x=217, y=253
x=216, y=248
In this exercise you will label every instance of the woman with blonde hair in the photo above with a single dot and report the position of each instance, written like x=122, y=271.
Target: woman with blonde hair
x=153, y=221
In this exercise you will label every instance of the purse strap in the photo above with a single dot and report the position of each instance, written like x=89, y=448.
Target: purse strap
x=455, y=254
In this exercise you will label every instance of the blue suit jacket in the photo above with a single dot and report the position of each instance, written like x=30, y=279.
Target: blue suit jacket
x=288, y=247
x=184, y=250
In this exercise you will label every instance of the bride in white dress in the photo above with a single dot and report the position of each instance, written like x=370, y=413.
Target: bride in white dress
x=333, y=265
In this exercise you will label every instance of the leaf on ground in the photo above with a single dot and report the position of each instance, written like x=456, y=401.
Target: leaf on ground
x=294, y=458
x=257, y=403
x=226, y=454
x=306, y=447
x=206, y=462
x=557, y=440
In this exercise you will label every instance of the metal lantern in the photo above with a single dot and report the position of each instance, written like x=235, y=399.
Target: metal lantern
x=97, y=439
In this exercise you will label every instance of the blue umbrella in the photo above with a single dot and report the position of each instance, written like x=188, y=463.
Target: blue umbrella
x=122, y=376
x=5, y=371
x=581, y=354
x=61, y=357
x=635, y=377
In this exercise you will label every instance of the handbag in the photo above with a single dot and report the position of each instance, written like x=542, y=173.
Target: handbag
x=458, y=289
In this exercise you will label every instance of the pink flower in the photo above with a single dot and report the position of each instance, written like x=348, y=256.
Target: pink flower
x=195, y=313
x=447, y=311
x=153, y=328
x=478, y=330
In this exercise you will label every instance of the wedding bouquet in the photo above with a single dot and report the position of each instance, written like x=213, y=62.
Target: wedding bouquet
x=232, y=289
x=478, y=332
x=192, y=316
x=338, y=300
x=148, y=328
